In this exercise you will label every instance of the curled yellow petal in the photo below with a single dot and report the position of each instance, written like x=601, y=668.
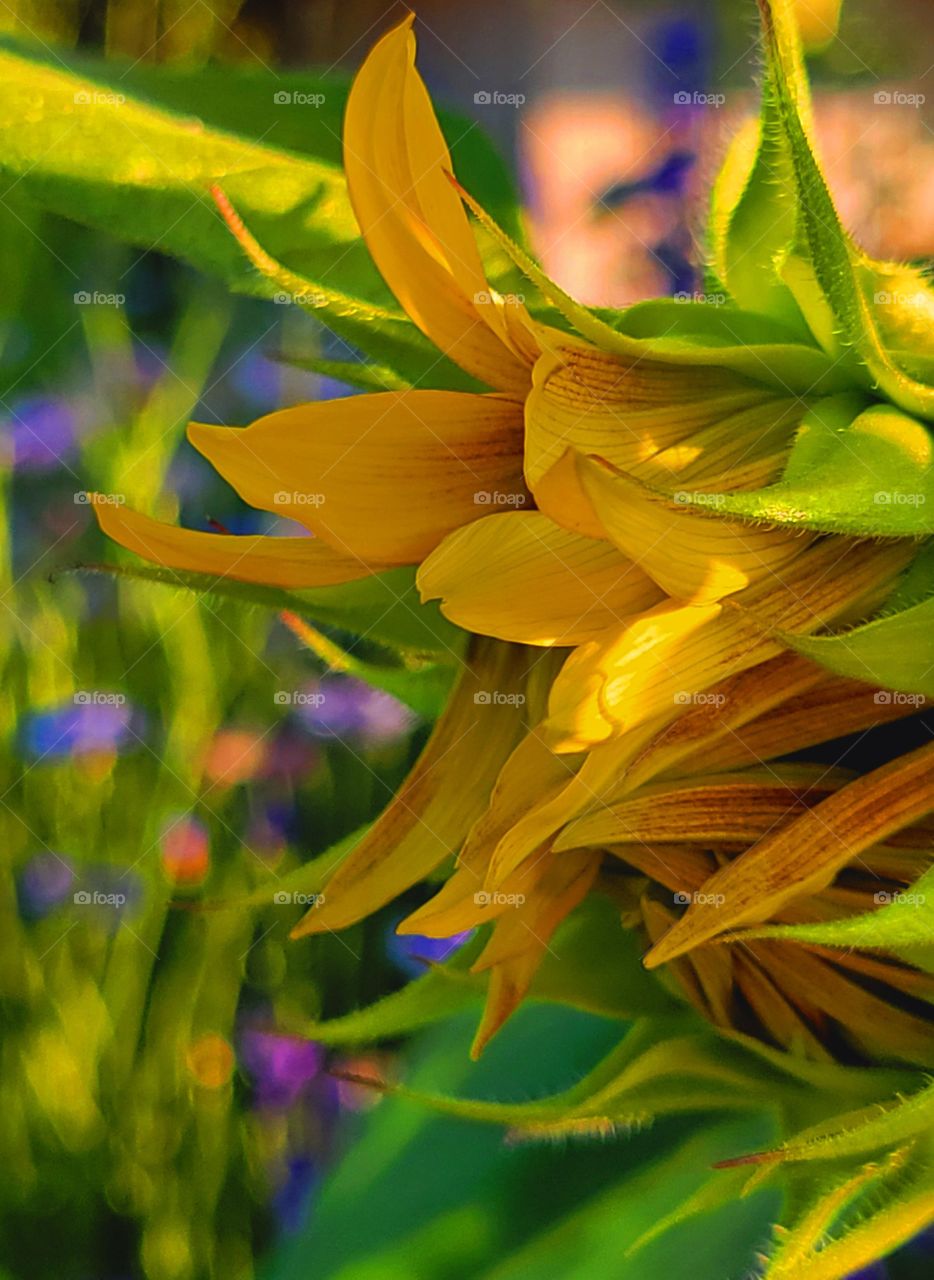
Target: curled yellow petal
x=396, y=162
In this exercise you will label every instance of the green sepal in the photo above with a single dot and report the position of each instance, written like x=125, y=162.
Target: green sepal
x=855, y=467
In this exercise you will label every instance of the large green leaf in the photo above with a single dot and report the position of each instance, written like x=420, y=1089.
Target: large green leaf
x=82, y=148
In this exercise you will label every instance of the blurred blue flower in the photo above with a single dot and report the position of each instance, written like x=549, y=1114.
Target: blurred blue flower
x=413, y=952
x=91, y=722
x=293, y=1199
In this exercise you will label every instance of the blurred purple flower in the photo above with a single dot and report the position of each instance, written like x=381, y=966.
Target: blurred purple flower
x=281, y=1066
x=39, y=435
x=96, y=724
x=347, y=708
x=45, y=883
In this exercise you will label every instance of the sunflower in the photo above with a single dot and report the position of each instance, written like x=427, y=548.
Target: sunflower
x=628, y=692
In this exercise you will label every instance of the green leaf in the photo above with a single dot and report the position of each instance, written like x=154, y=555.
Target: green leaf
x=753, y=216
x=242, y=100
x=867, y=471
x=80, y=148
x=904, y=919
x=857, y=1133
x=895, y=651
x=593, y=965
x=852, y=1222
x=660, y=1068
x=384, y=607
x=443, y=990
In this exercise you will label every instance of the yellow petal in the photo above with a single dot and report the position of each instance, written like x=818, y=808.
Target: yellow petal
x=381, y=477
x=877, y=1024
x=274, y=562
x=694, y=557
x=670, y=656
x=414, y=224
x=530, y=775
x=427, y=819
x=647, y=667
x=831, y=707
x=804, y=857
x=586, y=786
x=683, y=746
x=521, y=935
x=670, y=424
x=722, y=808
x=521, y=577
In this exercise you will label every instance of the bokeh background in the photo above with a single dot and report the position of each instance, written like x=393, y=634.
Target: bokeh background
x=163, y=1112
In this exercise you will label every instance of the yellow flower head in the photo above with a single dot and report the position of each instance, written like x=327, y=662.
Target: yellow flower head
x=628, y=688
